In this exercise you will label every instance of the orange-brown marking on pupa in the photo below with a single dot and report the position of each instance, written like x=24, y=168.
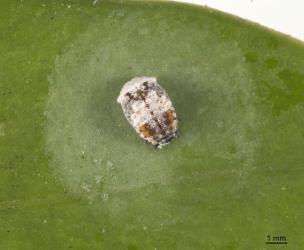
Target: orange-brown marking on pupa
x=146, y=130
x=169, y=118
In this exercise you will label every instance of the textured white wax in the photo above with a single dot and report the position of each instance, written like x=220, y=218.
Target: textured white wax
x=149, y=110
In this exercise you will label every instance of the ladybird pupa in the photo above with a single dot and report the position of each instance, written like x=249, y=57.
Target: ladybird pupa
x=149, y=110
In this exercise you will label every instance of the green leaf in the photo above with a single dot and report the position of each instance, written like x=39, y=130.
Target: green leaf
x=75, y=175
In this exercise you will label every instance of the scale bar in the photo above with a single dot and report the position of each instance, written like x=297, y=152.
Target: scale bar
x=283, y=242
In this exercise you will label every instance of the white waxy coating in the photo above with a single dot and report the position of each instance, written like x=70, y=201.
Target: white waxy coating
x=149, y=110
